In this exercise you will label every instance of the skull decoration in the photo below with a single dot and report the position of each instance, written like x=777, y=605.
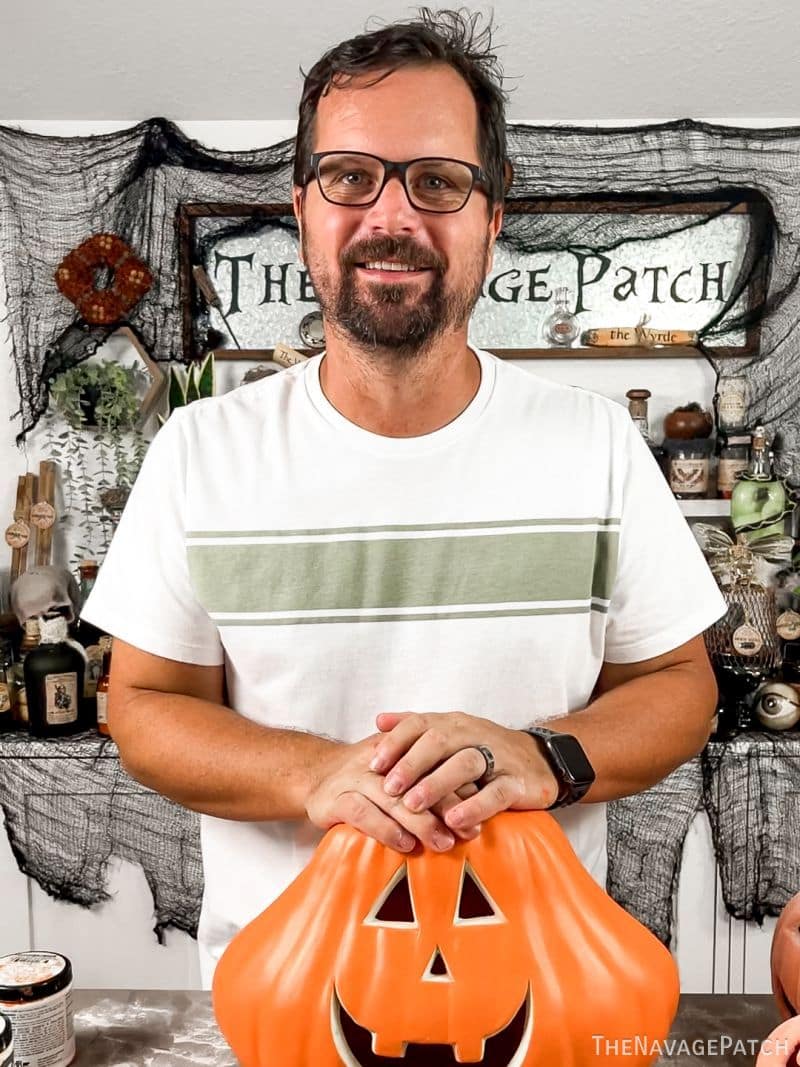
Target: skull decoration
x=503, y=951
x=45, y=590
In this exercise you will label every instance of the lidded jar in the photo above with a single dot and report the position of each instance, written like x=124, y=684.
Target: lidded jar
x=36, y=995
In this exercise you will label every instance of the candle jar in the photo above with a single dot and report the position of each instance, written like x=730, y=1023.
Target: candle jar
x=688, y=465
x=734, y=459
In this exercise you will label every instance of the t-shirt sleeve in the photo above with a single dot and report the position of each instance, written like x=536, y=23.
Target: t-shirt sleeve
x=143, y=593
x=663, y=593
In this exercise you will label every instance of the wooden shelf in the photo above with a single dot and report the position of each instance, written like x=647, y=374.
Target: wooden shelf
x=696, y=509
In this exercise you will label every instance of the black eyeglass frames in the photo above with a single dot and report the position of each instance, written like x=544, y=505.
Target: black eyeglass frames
x=357, y=179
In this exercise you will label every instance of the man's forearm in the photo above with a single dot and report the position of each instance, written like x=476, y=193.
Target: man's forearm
x=635, y=734
x=207, y=757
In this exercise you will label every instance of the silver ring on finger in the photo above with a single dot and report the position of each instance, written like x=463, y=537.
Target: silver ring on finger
x=488, y=773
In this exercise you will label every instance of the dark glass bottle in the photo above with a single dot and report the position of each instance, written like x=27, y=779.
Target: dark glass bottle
x=89, y=637
x=54, y=682
x=16, y=674
x=734, y=459
x=102, y=688
x=794, y=527
x=6, y=681
x=791, y=649
x=637, y=406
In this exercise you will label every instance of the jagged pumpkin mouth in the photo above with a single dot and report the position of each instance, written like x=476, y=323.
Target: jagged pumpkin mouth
x=506, y=1048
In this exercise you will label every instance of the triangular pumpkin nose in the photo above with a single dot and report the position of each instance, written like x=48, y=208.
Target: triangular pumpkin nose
x=437, y=968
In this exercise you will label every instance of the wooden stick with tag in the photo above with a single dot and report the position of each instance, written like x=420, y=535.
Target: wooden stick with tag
x=43, y=513
x=18, y=534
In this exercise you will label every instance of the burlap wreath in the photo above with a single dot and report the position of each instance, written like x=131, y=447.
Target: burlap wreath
x=75, y=278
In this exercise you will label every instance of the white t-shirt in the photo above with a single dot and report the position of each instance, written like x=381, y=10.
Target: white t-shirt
x=490, y=566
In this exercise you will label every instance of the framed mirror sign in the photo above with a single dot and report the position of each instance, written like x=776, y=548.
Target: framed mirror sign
x=617, y=277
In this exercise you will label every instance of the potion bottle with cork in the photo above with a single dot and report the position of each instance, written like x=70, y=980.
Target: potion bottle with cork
x=561, y=325
x=102, y=688
x=54, y=675
x=89, y=637
x=758, y=500
x=637, y=406
x=15, y=674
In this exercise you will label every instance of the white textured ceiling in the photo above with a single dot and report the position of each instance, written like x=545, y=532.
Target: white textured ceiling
x=623, y=60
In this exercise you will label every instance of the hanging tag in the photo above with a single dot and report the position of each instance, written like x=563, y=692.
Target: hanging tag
x=747, y=640
x=286, y=356
x=43, y=515
x=788, y=625
x=18, y=534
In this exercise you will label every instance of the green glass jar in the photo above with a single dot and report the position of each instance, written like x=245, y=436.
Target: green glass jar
x=758, y=496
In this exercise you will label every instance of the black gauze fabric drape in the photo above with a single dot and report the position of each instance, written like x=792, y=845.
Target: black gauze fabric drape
x=54, y=192
x=57, y=191
x=72, y=813
x=749, y=788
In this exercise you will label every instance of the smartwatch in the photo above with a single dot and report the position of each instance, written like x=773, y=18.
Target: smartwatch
x=569, y=763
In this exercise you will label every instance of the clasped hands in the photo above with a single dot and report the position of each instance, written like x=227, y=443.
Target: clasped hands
x=415, y=781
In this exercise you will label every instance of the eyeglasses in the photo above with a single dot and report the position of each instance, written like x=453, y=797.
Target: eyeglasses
x=357, y=179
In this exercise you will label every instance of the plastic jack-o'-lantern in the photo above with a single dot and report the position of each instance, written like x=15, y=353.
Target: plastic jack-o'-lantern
x=502, y=951
x=785, y=959
x=782, y=1047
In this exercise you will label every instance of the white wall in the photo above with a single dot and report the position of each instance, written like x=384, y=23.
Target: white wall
x=201, y=59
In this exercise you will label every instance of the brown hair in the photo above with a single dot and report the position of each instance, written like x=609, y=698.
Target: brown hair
x=451, y=37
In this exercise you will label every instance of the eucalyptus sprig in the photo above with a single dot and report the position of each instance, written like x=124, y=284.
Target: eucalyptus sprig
x=100, y=403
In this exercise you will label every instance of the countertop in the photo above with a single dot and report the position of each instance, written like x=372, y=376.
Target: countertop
x=118, y=1028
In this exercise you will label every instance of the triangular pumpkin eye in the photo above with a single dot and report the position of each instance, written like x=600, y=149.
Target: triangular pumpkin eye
x=395, y=905
x=474, y=903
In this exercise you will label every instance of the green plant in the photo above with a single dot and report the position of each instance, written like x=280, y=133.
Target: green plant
x=187, y=385
x=101, y=446
x=105, y=396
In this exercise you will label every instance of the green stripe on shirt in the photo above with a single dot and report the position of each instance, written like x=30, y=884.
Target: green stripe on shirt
x=363, y=575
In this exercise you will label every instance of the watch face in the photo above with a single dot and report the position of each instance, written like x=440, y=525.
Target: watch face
x=572, y=758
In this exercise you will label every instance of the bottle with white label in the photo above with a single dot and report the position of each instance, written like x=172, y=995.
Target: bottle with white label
x=54, y=682
x=734, y=459
x=16, y=674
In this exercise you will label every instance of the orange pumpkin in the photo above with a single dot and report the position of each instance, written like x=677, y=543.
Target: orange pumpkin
x=785, y=960
x=503, y=950
x=782, y=1047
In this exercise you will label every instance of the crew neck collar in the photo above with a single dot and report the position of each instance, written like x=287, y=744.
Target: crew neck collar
x=402, y=446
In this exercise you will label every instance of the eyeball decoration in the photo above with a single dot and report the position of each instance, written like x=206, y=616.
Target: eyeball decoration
x=777, y=706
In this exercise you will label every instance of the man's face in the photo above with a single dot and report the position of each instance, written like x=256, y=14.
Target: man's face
x=413, y=113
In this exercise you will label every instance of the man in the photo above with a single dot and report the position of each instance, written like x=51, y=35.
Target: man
x=342, y=593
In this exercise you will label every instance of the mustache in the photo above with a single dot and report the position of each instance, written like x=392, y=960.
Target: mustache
x=374, y=249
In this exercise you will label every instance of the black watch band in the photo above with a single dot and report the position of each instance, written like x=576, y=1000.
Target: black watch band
x=568, y=761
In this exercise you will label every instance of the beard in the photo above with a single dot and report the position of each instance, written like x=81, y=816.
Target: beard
x=401, y=320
